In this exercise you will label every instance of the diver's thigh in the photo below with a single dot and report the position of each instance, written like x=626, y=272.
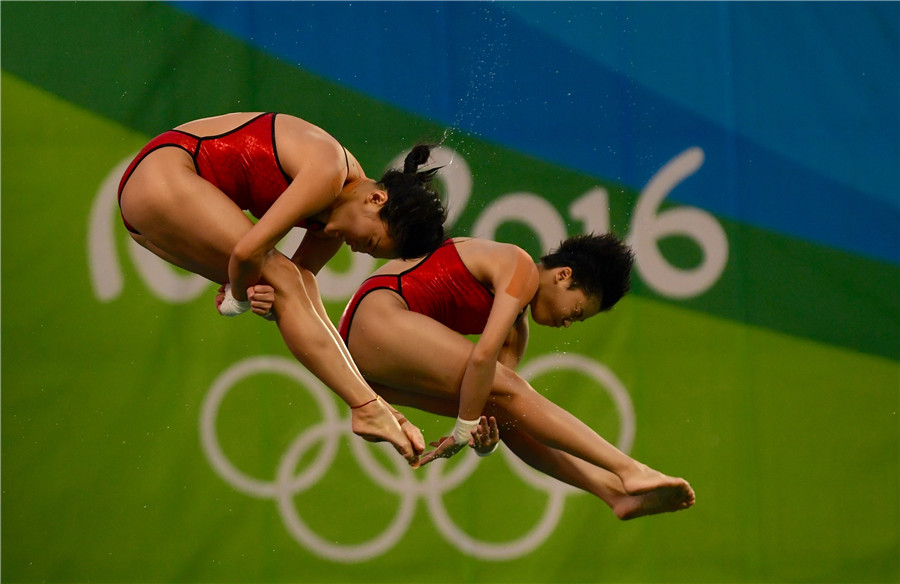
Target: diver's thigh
x=183, y=214
x=394, y=346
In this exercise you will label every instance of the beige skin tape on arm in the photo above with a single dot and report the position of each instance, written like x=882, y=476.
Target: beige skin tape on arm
x=521, y=275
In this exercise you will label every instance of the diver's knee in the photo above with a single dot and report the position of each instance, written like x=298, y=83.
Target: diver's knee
x=280, y=272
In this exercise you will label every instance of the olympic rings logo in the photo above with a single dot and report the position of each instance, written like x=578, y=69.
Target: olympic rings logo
x=404, y=482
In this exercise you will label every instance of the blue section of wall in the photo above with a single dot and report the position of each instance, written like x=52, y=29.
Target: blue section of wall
x=795, y=104
x=779, y=73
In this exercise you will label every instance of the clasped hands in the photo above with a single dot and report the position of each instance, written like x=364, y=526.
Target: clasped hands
x=485, y=437
x=260, y=299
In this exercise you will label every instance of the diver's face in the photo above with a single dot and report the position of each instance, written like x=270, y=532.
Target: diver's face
x=370, y=235
x=358, y=223
x=557, y=304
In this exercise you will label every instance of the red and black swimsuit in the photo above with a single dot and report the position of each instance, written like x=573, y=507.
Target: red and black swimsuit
x=440, y=287
x=242, y=163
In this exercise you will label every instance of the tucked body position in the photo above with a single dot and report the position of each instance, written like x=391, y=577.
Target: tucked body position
x=184, y=196
x=406, y=326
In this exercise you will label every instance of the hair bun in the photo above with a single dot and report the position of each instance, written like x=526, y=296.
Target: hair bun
x=417, y=157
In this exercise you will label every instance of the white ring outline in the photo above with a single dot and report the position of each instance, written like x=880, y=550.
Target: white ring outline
x=558, y=490
x=603, y=375
x=285, y=486
x=345, y=553
x=209, y=438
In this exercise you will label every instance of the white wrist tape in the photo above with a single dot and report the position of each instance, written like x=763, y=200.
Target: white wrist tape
x=232, y=307
x=462, y=432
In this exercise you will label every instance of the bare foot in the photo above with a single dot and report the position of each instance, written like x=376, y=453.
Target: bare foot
x=661, y=500
x=642, y=479
x=374, y=422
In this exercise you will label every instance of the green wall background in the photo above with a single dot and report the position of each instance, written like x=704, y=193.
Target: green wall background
x=785, y=424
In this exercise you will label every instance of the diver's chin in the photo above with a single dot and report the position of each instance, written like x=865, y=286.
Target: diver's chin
x=538, y=319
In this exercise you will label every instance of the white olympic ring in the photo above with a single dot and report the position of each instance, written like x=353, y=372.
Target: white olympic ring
x=287, y=482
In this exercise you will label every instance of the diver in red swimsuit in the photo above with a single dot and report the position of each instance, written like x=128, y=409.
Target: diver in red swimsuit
x=440, y=287
x=183, y=198
x=242, y=163
x=405, y=327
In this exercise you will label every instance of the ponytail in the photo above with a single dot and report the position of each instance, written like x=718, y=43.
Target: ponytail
x=417, y=157
x=413, y=212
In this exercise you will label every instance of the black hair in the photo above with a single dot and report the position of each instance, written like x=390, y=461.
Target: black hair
x=414, y=213
x=601, y=265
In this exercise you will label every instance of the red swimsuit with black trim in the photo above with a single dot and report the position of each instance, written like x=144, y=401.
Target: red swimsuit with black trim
x=440, y=287
x=242, y=163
